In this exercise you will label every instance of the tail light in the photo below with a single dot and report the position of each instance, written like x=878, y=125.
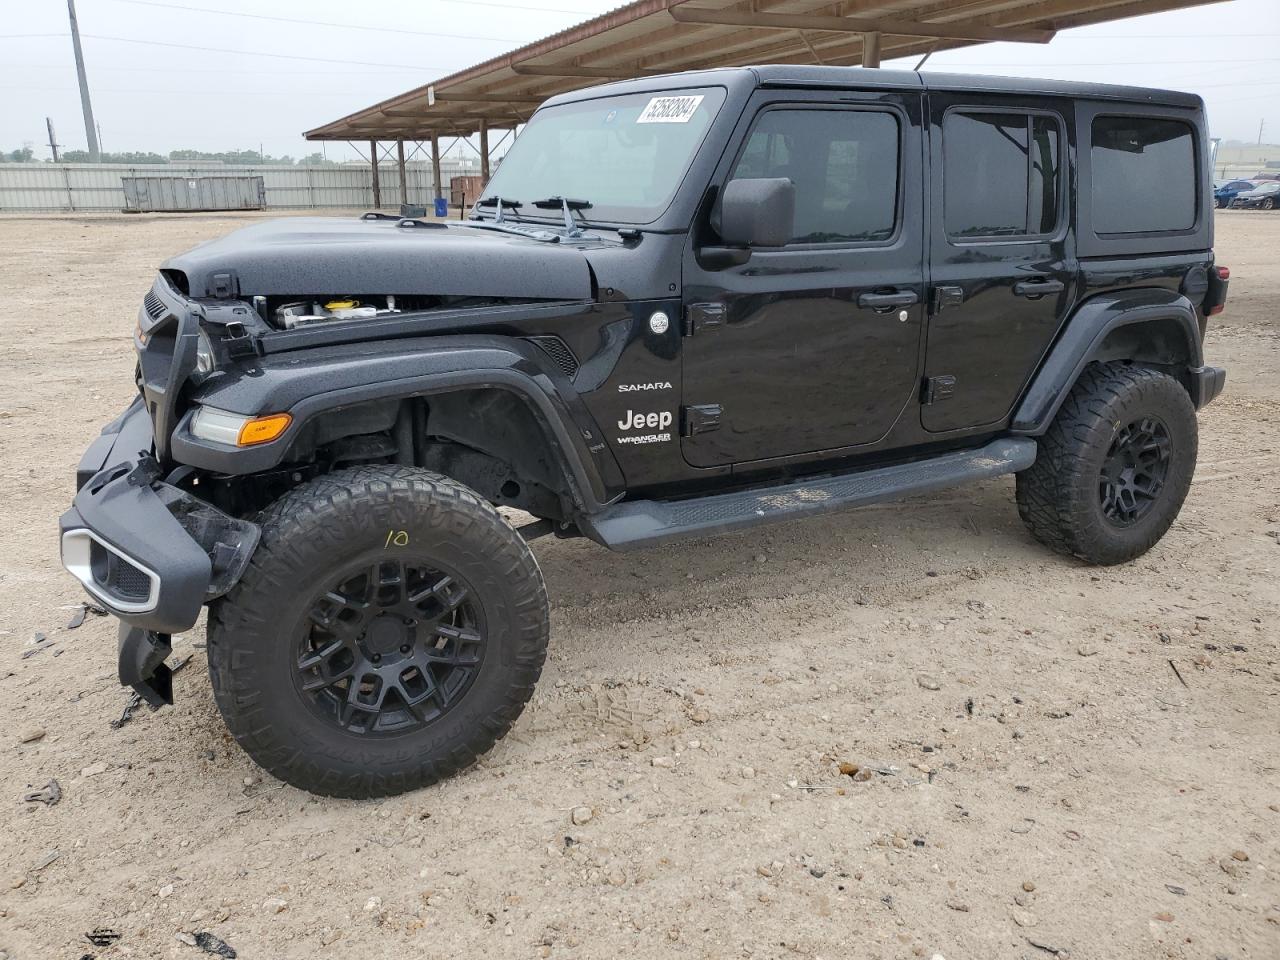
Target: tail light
x=1216, y=300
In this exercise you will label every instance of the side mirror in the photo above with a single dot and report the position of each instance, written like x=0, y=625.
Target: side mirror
x=758, y=213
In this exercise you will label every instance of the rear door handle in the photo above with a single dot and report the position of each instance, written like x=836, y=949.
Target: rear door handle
x=1038, y=288
x=887, y=301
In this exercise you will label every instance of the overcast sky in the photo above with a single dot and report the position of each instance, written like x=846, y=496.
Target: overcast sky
x=165, y=75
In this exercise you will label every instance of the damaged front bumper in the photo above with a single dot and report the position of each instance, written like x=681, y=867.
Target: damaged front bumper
x=149, y=552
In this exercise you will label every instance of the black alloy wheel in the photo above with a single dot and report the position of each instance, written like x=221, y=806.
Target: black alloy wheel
x=389, y=646
x=1134, y=471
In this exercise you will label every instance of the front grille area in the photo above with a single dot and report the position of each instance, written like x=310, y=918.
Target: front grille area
x=558, y=351
x=154, y=305
x=117, y=577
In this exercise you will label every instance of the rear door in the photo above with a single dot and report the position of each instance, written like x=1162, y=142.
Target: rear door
x=814, y=346
x=1002, y=256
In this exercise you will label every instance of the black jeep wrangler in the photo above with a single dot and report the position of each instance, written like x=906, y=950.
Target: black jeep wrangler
x=685, y=305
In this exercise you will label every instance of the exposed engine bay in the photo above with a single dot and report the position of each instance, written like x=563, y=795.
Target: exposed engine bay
x=291, y=312
x=298, y=313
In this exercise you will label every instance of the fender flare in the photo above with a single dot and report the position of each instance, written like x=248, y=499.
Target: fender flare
x=1082, y=338
x=306, y=384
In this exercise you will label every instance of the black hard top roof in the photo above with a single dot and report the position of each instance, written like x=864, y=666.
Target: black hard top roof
x=799, y=75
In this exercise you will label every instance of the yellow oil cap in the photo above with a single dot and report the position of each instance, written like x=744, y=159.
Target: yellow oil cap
x=341, y=304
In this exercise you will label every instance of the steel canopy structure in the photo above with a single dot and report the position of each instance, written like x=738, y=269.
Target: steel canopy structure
x=650, y=37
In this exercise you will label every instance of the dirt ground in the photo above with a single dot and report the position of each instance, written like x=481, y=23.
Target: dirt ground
x=1041, y=777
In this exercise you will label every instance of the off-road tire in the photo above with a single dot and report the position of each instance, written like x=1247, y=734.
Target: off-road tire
x=355, y=515
x=1059, y=495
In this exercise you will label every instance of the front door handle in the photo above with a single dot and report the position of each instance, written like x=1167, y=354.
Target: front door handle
x=1034, y=289
x=887, y=301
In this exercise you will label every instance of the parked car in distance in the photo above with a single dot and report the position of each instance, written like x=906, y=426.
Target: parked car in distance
x=1265, y=196
x=1224, y=191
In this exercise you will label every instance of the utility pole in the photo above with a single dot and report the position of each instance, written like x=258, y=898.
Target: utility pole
x=53, y=140
x=1261, y=123
x=90, y=128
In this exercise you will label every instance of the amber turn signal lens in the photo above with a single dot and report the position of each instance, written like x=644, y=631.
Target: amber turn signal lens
x=263, y=429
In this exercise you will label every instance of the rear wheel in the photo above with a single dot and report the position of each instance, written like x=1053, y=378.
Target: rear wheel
x=1268, y=204
x=1114, y=467
x=389, y=629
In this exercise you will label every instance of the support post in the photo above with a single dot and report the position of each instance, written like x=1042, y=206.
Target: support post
x=53, y=140
x=484, y=151
x=404, y=183
x=435, y=165
x=90, y=128
x=871, y=49
x=377, y=188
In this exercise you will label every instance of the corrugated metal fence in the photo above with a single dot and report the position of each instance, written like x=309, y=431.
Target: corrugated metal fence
x=53, y=187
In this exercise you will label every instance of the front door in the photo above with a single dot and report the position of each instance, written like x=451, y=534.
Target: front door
x=812, y=347
x=1002, y=263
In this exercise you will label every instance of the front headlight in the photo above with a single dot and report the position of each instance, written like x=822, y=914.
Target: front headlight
x=236, y=429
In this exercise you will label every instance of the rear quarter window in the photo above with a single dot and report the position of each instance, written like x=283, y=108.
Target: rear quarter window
x=1144, y=175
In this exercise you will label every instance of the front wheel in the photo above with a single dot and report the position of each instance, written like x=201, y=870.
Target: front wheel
x=1268, y=204
x=389, y=629
x=1114, y=467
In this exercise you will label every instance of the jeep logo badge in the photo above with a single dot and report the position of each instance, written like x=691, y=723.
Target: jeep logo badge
x=658, y=322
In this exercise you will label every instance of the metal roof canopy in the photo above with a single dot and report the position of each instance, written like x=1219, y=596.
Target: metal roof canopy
x=650, y=37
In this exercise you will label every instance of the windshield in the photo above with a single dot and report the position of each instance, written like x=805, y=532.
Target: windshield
x=624, y=155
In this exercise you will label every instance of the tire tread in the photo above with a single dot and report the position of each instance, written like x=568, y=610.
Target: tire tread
x=245, y=616
x=1056, y=495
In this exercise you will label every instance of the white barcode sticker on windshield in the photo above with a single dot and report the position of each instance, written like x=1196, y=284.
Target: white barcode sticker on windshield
x=669, y=109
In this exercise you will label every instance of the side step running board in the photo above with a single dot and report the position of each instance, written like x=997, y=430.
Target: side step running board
x=642, y=523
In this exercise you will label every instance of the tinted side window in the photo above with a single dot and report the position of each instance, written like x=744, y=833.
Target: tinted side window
x=1042, y=207
x=1002, y=174
x=844, y=164
x=1144, y=175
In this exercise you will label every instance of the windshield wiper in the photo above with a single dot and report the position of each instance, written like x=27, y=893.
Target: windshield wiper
x=500, y=223
x=500, y=204
x=566, y=205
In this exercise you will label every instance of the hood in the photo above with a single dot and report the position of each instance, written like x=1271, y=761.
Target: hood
x=309, y=256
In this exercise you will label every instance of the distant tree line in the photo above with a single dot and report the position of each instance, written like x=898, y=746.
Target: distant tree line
x=231, y=157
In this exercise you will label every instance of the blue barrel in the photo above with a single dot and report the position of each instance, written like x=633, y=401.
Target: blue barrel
x=442, y=207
